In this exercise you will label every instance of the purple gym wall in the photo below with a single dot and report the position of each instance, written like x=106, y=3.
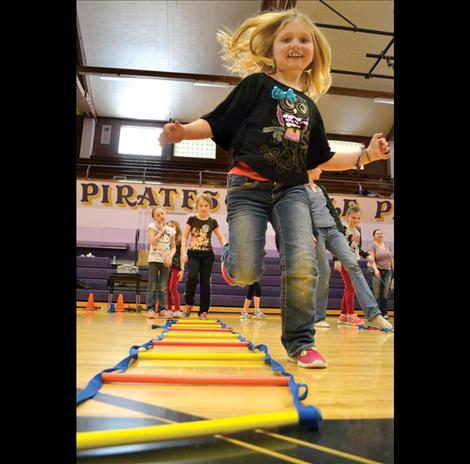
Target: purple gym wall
x=110, y=212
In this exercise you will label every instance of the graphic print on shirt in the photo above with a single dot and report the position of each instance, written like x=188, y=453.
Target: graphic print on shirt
x=161, y=250
x=354, y=240
x=200, y=238
x=290, y=130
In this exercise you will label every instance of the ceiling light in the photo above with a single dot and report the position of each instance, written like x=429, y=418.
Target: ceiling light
x=116, y=78
x=388, y=101
x=212, y=84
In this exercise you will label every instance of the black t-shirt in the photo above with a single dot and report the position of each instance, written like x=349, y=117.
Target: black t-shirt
x=277, y=138
x=176, y=262
x=201, y=231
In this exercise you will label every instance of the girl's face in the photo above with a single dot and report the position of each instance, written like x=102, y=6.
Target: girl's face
x=354, y=219
x=293, y=47
x=203, y=208
x=159, y=216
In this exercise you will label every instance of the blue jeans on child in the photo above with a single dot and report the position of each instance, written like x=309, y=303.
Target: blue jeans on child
x=250, y=205
x=381, y=288
x=158, y=282
x=330, y=238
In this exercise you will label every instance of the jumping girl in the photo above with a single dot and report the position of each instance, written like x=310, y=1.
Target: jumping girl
x=272, y=122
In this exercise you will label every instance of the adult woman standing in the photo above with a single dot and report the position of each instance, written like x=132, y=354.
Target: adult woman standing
x=383, y=257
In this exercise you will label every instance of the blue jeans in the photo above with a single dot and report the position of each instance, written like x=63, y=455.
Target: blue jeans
x=381, y=288
x=158, y=282
x=250, y=205
x=330, y=238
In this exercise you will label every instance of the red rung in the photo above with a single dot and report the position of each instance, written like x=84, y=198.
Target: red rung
x=184, y=329
x=108, y=377
x=188, y=343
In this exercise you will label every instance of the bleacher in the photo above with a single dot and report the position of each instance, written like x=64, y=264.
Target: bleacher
x=212, y=172
x=94, y=273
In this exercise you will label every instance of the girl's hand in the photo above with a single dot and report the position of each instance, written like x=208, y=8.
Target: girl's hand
x=314, y=241
x=370, y=260
x=167, y=261
x=377, y=273
x=180, y=275
x=378, y=148
x=173, y=132
x=337, y=266
x=184, y=258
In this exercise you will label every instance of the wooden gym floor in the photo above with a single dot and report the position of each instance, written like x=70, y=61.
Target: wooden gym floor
x=354, y=394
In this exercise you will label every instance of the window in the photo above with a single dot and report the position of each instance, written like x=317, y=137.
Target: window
x=342, y=146
x=195, y=149
x=139, y=140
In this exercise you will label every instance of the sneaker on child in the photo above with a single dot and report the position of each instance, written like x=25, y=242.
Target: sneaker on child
x=343, y=319
x=380, y=323
x=187, y=311
x=321, y=323
x=151, y=314
x=177, y=314
x=309, y=358
x=354, y=320
x=244, y=315
x=258, y=314
x=165, y=314
x=203, y=316
x=225, y=275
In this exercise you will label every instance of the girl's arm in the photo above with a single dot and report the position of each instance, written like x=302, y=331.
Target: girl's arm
x=220, y=236
x=175, y=132
x=184, y=239
x=378, y=149
x=154, y=237
x=169, y=258
x=373, y=265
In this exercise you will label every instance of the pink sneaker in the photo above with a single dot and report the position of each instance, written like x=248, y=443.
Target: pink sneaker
x=203, y=316
x=150, y=314
x=343, y=319
x=165, y=314
x=225, y=275
x=309, y=358
x=354, y=320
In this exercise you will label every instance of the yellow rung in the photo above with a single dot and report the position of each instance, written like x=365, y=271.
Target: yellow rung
x=102, y=438
x=200, y=335
x=213, y=356
x=196, y=326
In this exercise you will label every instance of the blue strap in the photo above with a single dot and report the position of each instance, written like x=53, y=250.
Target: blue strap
x=95, y=384
x=368, y=327
x=308, y=415
x=279, y=94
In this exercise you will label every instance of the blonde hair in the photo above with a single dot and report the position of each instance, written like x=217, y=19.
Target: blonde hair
x=202, y=197
x=175, y=225
x=249, y=49
x=156, y=209
x=353, y=209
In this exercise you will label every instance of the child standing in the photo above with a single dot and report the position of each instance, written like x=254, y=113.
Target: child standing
x=254, y=291
x=354, y=240
x=271, y=121
x=199, y=254
x=176, y=273
x=329, y=233
x=162, y=248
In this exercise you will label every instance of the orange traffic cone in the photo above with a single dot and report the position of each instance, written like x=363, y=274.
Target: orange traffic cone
x=120, y=304
x=91, y=302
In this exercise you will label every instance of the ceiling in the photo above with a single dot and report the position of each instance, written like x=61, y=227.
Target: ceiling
x=179, y=37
